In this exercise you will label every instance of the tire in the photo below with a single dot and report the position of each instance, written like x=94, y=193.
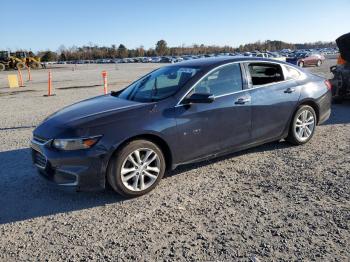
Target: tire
x=301, y=64
x=130, y=183
x=34, y=65
x=2, y=67
x=319, y=63
x=296, y=136
x=20, y=65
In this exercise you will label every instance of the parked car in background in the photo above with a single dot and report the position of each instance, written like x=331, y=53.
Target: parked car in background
x=146, y=59
x=116, y=61
x=187, y=57
x=156, y=59
x=178, y=58
x=166, y=59
x=178, y=114
x=306, y=59
x=270, y=56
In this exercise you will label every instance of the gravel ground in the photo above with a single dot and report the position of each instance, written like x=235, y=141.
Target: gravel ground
x=273, y=202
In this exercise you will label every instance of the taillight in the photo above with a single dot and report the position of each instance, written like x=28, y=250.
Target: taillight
x=328, y=84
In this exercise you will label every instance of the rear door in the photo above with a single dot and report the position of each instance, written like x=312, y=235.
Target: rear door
x=310, y=59
x=274, y=95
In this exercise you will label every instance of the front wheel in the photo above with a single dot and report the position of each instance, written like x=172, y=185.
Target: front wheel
x=319, y=63
x=303, y=125
x=136, y=169
x=2, y=67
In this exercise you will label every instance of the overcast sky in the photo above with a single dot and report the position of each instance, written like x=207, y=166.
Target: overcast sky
x=41, y=25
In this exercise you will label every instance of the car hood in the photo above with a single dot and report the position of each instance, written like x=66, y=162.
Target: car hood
x=84, y=114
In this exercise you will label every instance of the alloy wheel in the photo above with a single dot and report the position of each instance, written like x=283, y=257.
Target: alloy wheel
x=304, y=125
x=140, y=169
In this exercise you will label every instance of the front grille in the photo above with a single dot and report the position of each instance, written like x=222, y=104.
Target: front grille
x=40, y=140
x=39, y=159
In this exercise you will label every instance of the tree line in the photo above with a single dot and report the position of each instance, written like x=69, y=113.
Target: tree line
x=93, y=52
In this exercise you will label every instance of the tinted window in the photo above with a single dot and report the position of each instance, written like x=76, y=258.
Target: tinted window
x=265, y=73
x=224, y=80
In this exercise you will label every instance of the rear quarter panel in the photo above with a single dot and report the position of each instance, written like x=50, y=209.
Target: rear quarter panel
x=312, y=86
x=313, y=89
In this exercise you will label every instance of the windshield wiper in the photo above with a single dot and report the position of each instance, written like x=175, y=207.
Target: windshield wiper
x=115, y=93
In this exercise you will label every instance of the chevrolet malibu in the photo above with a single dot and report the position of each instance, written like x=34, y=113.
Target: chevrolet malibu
x=178, y=114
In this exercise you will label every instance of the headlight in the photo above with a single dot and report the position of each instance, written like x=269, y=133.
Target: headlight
x=76, y=143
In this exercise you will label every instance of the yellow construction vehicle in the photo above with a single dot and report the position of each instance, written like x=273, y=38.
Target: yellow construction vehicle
x=8, y=61
x=29, y=61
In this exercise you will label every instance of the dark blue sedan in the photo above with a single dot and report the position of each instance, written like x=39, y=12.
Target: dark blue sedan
x=178, y=114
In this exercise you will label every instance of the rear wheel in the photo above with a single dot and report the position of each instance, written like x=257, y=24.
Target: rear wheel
x=34, y=65
x=136, y=169
x=303, y=125
x=2, y=67
x=301, y=64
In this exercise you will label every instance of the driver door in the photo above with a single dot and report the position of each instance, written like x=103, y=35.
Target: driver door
x=208, y=128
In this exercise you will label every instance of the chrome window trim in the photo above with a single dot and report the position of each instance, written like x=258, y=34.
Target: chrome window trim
x=243, y=90
x=232, y=93
x=270, y=84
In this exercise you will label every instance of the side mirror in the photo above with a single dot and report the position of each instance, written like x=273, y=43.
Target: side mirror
x=199, y=98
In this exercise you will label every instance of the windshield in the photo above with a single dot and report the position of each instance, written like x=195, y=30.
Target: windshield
x=3, y=54
x=158, y=84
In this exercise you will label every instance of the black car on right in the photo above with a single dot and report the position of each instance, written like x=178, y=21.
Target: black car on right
x=341, y=72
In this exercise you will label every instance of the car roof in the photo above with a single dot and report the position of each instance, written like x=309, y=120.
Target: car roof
x=216, y=61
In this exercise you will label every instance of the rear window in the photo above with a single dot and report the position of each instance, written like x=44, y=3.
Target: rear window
x=292, y=73
x=265, y=73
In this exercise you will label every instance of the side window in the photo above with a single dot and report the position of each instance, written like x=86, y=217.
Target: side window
x=265, y=73
x=292, y=73
x=224, y=80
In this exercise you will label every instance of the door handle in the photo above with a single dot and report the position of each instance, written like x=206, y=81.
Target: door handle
x=289, y=90
x=242, y=100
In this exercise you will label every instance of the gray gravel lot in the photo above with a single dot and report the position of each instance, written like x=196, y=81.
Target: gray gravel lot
x=273, y=202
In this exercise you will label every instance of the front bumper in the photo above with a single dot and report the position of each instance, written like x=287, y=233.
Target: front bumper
x=81, y=169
